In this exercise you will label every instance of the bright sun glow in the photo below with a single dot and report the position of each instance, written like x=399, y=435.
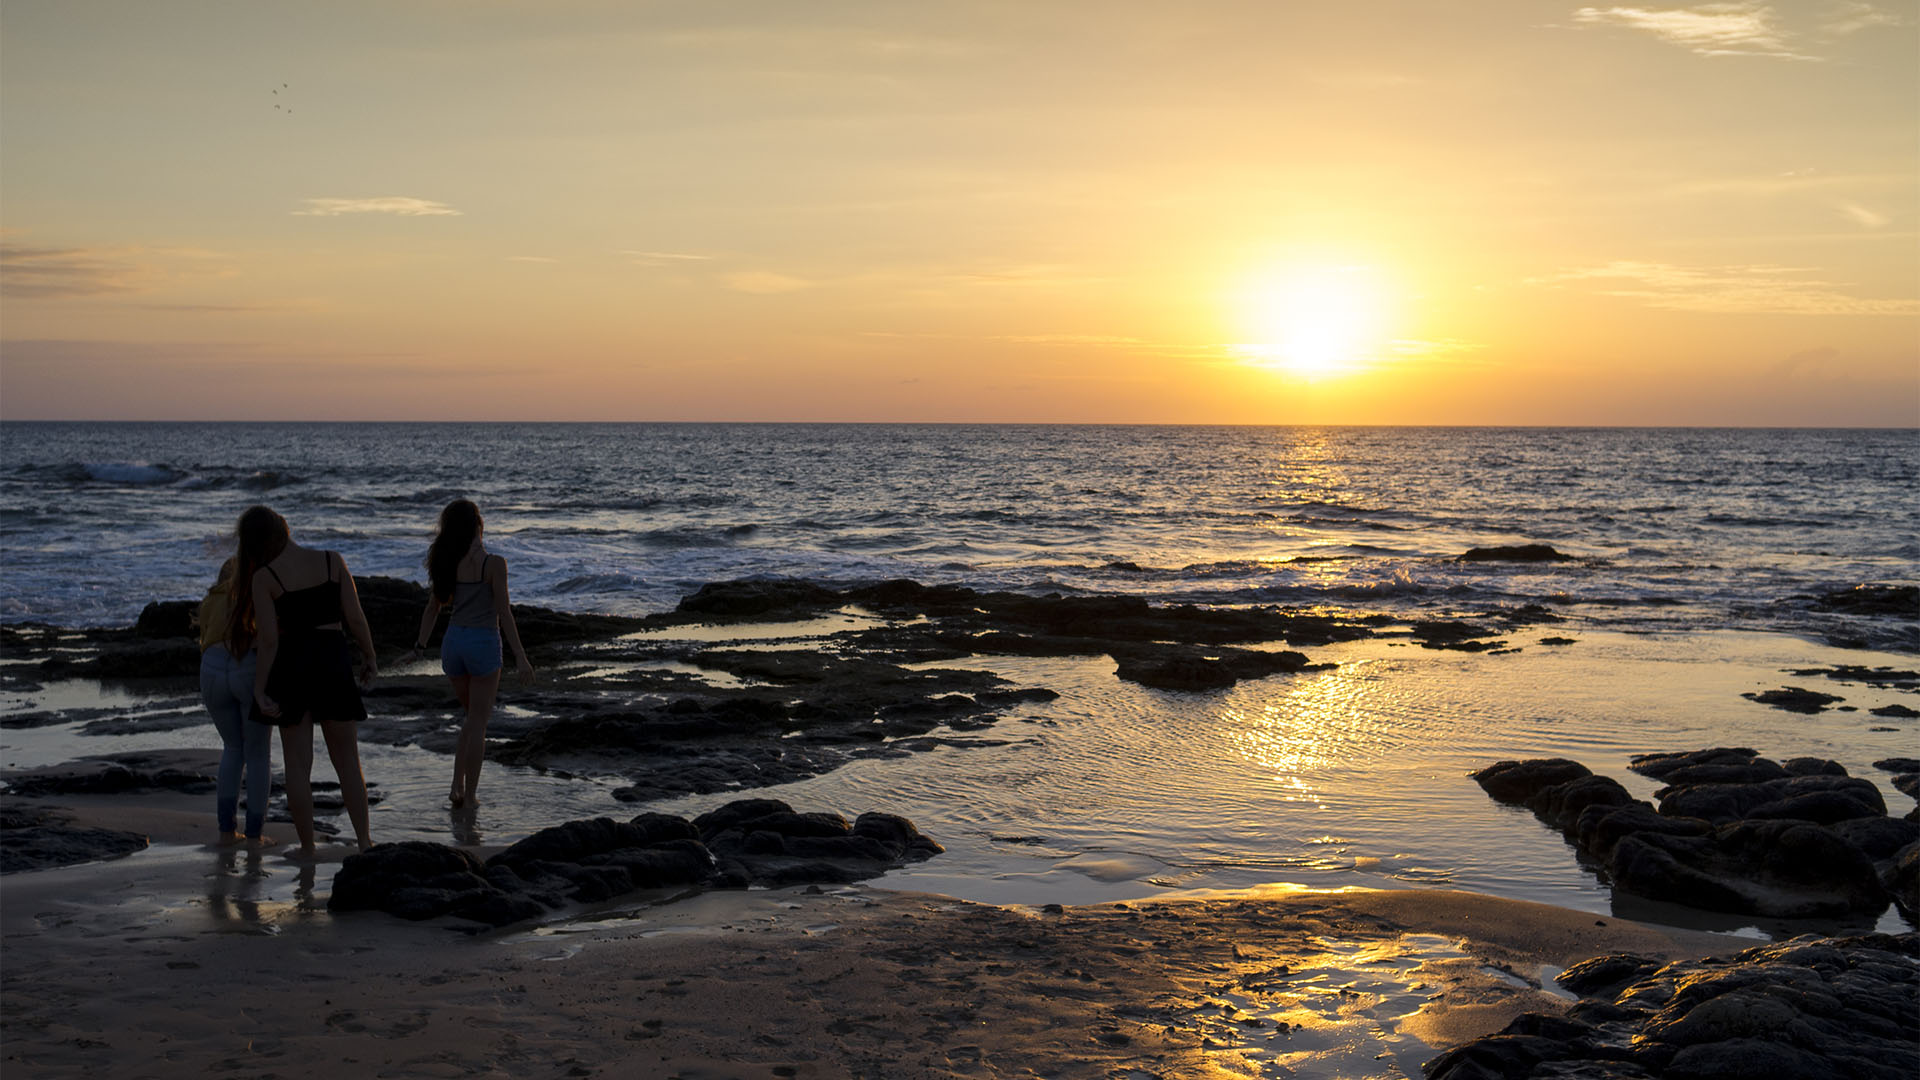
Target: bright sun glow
x=1315, y=322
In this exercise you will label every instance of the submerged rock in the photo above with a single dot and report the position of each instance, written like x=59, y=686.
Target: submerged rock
x=1806, y=1008
x=1514, y=553
x=1795, y=699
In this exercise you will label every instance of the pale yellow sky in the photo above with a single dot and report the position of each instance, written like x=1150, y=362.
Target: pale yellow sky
x=1505, y=212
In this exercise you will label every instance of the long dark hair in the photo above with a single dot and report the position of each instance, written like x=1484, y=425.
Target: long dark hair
x=263, y=536
x=459, y=527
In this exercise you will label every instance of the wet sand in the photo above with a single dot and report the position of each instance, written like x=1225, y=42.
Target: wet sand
x=188, y=960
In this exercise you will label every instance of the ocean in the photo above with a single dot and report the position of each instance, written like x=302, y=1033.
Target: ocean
x=1668, y=528
x=1703, y=566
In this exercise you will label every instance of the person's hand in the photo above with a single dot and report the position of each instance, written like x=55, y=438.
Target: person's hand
x=368, y=672
x=266, y=705
x=524, y=669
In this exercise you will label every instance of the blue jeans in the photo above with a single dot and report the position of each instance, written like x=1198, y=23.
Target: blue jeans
x=226, y=686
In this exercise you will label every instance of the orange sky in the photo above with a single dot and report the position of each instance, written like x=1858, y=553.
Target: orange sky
x=1400, y=212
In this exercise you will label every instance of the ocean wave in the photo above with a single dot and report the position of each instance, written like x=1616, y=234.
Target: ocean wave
x=118, y=473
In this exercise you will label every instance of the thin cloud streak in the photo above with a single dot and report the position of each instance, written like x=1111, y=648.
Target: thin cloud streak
x=398, y=205
x=1778, y=290
x=1738, y=29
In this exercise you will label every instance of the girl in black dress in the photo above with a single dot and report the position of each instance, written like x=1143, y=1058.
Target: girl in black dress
x=301, y=600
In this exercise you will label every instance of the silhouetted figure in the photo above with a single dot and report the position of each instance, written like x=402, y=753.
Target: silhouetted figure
x=471, y=585
x=227, y=661
x=301, y=600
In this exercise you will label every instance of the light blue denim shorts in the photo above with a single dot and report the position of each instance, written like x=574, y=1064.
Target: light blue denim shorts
x=470, y=650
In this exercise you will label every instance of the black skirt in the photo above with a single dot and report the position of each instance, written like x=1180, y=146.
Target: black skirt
x=313, y=674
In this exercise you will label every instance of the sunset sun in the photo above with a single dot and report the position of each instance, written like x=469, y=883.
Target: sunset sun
x=1314, y=322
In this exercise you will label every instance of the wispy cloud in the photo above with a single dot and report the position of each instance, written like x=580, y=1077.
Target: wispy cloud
x=658, y=257
x=1863, y=217
x=1743, y=27
x=1728, y=289
x=1069, y=339
x=399, y=205
x=1736, y=29
x=764, y=282
x=58, y=273
x=66, y=272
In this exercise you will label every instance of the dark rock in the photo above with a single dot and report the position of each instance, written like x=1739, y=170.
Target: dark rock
x=1518, y=781
x=1562, y=804
x=168, y=619
x=1902, y=879
x=574, y=841
x=737, y=599
x=1794, y=699
x=37, y=838
x=1898, y=764
x=599, y=859
x=1784, y=869
x=1877, y=837
x=718, y=820
x=1558, y=640
x=1812, y=766
x=1812, y=1007
x=897, y=833
x=413, y=879
x=1825, y=799
x=1896, y=709
x=1908, y=784
x=1745, y=1058
x=1662, y=766
x=1599, y=828
x=1515, y=553
x=1902, y=601
x=1602, y=975
x=1494, y=1057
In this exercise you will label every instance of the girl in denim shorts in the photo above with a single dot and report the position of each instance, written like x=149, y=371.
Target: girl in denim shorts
x=471, y=586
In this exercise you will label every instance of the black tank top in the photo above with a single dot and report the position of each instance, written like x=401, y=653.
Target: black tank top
x=300, y=610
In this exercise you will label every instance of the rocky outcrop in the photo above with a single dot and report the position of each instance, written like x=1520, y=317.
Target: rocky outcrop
x=1733, y=832
x=749, y=842
x=1795, y=699
x=1514, y=553
x=1811, y=1008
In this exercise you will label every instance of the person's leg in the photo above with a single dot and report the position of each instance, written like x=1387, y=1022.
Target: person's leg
x=472, y=751
x=296, y=751
x=257, y=750
x=343, y=749
x=462, y=692
x=230, y=722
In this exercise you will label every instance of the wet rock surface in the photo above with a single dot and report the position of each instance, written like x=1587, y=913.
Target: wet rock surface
x=746, y=843
x=1733, y=832
x=36, y=837
x=1794, y=699
x=1814, y=1008
x=1514, y=553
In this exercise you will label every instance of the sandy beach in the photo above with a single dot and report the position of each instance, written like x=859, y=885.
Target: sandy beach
x=188, y=960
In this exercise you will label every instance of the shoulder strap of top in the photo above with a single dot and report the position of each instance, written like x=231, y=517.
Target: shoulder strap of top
x=276, y=578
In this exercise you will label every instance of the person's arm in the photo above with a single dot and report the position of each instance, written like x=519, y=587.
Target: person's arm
x=356, y=621
x=504, y=609
x=266, y=642
x=427, y=620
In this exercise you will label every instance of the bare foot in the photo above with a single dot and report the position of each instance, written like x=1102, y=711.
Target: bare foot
x=261, y=841
x=457, y=799
x=305, y=853
x=230, y=839
x=365, y=843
